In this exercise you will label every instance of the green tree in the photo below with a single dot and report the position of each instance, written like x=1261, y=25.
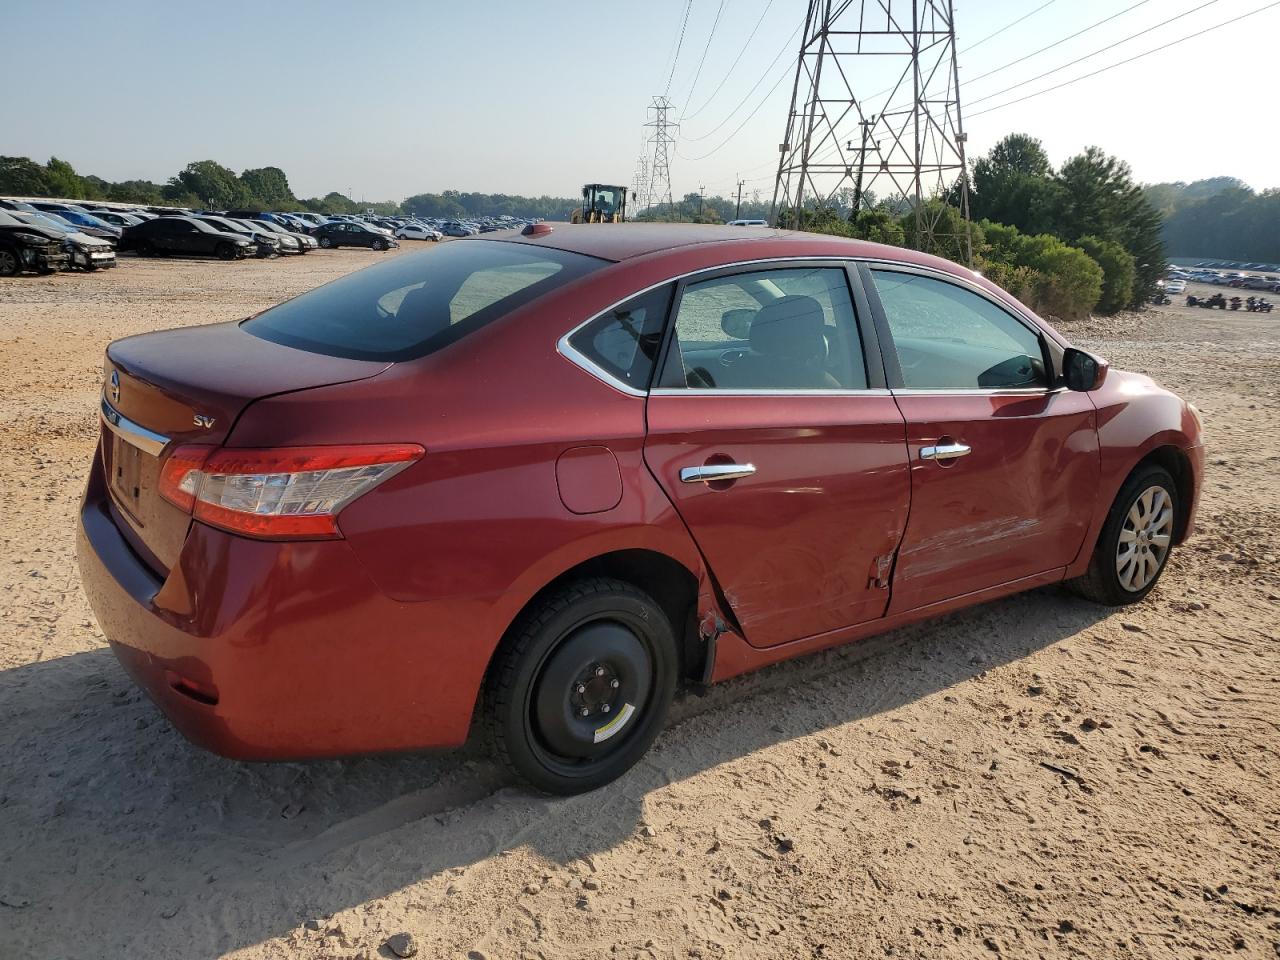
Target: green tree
x=62, y=180
x=216, y=187
x=1039, y=269
x=1014, y=184
x=1119, y=272
x=944, y=232
x=268, y=186
x=878, y=227
x=23, y=177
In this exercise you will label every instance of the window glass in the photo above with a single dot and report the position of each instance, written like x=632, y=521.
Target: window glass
x=413, y=305
x=626, y=340
x=949, y=338
x=788, y=329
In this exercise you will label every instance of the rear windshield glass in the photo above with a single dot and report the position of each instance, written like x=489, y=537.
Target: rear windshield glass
x=419, y=302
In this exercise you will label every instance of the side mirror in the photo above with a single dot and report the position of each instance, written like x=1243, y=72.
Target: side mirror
x=737, y=323
x=1083, y=371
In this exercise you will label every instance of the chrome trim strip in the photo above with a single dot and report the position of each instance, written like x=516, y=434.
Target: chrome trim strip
x=716, y=471
x=132, y=433
x=566, y=350
x=981, y=392
x=709, y=392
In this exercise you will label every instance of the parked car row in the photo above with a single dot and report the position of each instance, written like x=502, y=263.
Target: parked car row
x=39, y=243
x=1221, y=278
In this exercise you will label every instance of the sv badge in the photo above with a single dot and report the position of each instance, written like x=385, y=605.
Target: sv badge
x=201, y=421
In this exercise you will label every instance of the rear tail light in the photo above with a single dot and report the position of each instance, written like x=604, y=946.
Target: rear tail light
x=279, y=493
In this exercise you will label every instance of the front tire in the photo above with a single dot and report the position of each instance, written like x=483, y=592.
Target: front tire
x=379, y=244
x=326, y=243
x=1136, y=540
x=225, y=251
x=582, y=685
x=10, y=262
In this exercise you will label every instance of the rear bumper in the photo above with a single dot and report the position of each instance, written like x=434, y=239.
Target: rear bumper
x=270, y=651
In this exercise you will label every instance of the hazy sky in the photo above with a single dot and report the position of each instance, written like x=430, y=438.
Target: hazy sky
x=398, y=97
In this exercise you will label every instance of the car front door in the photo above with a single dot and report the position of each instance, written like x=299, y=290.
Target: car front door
x=1004, y=461
x=772, y=434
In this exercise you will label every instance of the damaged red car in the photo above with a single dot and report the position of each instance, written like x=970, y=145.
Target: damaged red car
x=538, y=480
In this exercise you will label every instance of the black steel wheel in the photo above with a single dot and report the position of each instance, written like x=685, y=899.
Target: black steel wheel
x=581, y=687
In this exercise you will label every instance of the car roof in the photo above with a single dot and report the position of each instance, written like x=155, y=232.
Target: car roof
x=619, y=242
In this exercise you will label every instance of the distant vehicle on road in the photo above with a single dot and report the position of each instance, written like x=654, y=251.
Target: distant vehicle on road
x=746, y=223
x=1174, y=286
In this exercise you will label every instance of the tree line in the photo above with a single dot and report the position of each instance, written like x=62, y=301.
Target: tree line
x=1220, y=218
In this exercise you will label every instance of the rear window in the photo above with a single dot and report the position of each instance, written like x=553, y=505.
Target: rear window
x=415, y=304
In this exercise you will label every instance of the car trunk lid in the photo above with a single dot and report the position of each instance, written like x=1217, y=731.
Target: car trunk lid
x=189, y=386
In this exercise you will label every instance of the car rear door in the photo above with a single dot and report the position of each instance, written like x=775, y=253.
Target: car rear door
x=773, y=435
x=1004, y=462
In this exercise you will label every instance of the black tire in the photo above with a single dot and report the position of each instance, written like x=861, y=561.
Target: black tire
x=326, y=243
x=380, y=244
x=10, y=262
x=225, y=251
x=143, y=248
x=599, y=646
x=1102, y=583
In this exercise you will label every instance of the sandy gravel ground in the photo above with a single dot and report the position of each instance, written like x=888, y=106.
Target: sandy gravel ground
x=1035, y=778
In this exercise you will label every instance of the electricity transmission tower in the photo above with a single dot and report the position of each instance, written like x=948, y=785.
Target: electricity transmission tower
x=641, y=182
x=902, y=150
x=663, y=141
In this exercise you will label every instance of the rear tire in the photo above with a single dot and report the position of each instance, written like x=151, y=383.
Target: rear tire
x=1136, y=540
x=581, y=686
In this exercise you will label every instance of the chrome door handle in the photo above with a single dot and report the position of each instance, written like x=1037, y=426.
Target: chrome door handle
x=945, y=451
x=716, y=471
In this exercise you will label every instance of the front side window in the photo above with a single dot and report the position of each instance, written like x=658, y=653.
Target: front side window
x=411, y=306
x=949, y=338
x=785, y=329
x=625, y=341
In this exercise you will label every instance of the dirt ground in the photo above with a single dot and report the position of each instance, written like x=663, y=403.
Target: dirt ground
x=1038, y=777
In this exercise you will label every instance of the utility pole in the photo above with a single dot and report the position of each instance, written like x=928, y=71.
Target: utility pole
x=701, y=188
x=737, y=213
x=867, y=124
x=912, y=142
x=662, y=141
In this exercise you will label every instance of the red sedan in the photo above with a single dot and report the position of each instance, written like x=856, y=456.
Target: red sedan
x=548, y=477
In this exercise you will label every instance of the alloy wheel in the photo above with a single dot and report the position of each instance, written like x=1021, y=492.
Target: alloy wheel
x=8, y=263
x=1145, y=538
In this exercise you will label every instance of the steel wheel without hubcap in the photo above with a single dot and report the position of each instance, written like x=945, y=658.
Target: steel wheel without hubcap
x=1144, y=539
x=581, y=686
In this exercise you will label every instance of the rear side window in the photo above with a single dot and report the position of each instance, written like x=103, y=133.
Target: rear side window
x=413, y=305
x=949, y=338
x=625, y=342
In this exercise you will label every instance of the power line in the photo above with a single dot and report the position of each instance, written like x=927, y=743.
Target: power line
x=1012, y=23
x=745, y=120
x=1171, y=43
x=679, y=43
x=732, y=67
x=1088, y=56
x=1006, y=27
x=1036, y=53
x=698, y=73
x=755, y=86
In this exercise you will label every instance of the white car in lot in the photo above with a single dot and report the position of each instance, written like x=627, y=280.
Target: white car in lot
x=417, y=231
x=1172, y=287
